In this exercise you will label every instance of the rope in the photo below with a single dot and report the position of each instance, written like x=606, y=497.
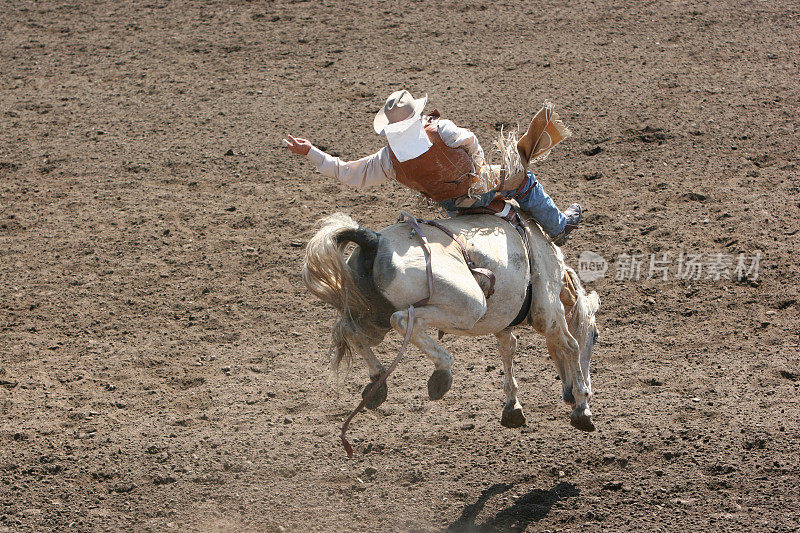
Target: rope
x=381, y=380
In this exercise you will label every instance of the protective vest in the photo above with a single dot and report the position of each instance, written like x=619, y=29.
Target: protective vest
x=441, y=172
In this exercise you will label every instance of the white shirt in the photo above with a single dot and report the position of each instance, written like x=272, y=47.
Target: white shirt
x=377, y=168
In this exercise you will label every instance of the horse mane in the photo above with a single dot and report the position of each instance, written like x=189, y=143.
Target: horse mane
x=548, y=260
x=578, y=318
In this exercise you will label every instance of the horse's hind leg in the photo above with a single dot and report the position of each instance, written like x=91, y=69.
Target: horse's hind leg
x=375, y=369
x=431, y=316
x=513, y=416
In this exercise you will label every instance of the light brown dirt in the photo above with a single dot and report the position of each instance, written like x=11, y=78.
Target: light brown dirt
x=163, y=368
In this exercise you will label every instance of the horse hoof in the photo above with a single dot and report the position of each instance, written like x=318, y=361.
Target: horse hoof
x=378, y=398
x=581, y=420
x=439, y=383
x=513, y=418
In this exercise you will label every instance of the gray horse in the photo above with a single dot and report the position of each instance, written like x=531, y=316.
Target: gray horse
x=386, y=273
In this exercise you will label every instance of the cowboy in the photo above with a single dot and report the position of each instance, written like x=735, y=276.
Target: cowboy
x=447, y=165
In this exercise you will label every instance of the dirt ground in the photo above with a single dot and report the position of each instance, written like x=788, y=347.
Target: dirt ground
x=162, y=366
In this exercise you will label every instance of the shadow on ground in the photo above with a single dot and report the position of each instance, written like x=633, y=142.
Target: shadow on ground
x=526, y=510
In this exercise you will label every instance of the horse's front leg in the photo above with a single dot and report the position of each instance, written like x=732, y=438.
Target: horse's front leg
x=513, y=416
x=564, y=351
x=375, y=369
x=564, y=376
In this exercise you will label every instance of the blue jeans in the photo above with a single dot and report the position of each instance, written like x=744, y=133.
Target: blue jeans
x=536, y=202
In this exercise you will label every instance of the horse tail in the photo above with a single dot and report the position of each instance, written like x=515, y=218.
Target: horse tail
x=331, y=279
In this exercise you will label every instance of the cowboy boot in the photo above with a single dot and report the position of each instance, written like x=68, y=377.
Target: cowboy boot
x=574, y=215
x=533, y=199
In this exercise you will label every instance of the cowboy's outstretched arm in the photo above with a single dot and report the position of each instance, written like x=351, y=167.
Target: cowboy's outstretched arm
x=365, y=172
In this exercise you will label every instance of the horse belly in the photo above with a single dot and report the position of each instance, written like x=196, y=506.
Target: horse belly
x=501, y=308
x=505, y=255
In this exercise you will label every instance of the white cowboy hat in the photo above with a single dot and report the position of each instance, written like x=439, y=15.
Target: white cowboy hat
x=398, y=107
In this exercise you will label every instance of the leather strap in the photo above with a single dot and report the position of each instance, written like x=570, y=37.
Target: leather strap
x=530, y=185
x=525, y=309
x=412, y=220
x=381, y=380
x=526, y=304
x=415, y=225
x=470, y=264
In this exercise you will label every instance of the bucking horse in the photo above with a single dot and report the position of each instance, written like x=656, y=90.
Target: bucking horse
x=403, y=279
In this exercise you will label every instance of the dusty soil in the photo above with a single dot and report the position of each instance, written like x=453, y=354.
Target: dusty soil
x=162, y=367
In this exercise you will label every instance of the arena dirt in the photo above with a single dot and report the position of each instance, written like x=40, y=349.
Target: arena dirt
x=163, y=368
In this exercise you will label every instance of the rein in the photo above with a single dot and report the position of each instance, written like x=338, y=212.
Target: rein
x=409, y=331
